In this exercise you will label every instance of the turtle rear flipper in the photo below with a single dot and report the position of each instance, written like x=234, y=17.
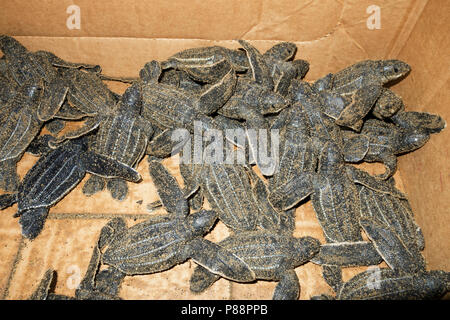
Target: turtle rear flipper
x=7, y=200
x=32, y=221
x=43, y=288
x=118, y=188
x=219, y=260
x=355, y=148
x=288, y=288
x=202, y=279
x=9, y=180
x=93, y=185
x=108, y=168
x=170, y=193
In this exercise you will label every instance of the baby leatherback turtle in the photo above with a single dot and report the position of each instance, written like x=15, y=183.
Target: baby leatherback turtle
x=269, y=256
x=163, y=241
x=123, y=136
x=53, y=176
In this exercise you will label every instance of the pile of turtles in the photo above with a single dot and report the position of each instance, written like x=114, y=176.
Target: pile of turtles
x=321, y=128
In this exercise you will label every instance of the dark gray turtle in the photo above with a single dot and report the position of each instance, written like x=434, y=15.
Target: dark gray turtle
x=207, y=64
x=87, y=97
x=170, y=107
x=352, y=92
x=348, y=254
x=335, y=201
x=269, y=255
x=386, y=284
x=399, y=255
x=163, y=241
x=20, y=125
x=251, y=102
x=422, y=121
x=292, y=181
x=393, y=212
x=259, y=71
x=53, y=176
x=387, y=140
x=123, y=136
x=281, y=69
x=24, y=66
x=227, y=188
x=268, y=217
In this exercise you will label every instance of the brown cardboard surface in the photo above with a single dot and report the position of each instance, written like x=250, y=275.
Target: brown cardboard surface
x=122, y=36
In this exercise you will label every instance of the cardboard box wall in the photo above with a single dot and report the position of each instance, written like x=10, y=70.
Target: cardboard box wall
x=122, y=36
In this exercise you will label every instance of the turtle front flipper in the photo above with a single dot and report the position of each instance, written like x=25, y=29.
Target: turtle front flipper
x=333, y=277
x=170, y=193
x=362, y=102
x=32, y=221
x=258, y=66
x=288, y=288
x=201, y=279
x=52, y=99
x=43, y=288
x=363, y=178
x=348, y=254
x=118, y=188
x=89, y=125
x=355, y=147
x=219, y=260
x=216, y=95
x=108, y=168
x=93, y=185
x=396, y=253
x=291, y=192
x=9, y=180
x=390, y=162
x=60, y=63
x=7, y=200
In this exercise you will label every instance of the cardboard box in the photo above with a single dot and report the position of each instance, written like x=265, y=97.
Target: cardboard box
x=122, y=36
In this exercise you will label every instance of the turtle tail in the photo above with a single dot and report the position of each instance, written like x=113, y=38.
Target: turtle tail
x=7, y=200
x=32, y=221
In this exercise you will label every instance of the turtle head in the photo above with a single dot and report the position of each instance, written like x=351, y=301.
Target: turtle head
x=11, y=46
x=283, y=51
x=304, y=249
x=391, y=70
x=414, y=140
x=131, y=98
x=202, y=221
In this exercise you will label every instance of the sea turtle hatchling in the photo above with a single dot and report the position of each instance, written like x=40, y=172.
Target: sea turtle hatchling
x=351, y=93
x=87, y=97
x=169, y=107
x=386, y=284
x=20, y=125
x=386, y=140
x=123, y=136
x=24, y=66
x=162, y=241
x=207, y=64
x=53, y=176
x=271, y=256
